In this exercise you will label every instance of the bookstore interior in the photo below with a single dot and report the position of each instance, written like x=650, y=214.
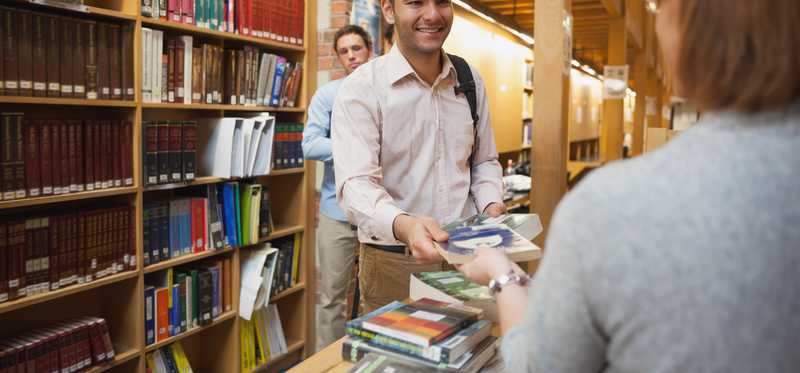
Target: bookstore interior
x=160, y=210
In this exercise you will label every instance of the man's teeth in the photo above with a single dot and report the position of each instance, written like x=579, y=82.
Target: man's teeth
x=429, y=29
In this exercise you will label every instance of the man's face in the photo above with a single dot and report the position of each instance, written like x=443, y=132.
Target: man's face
x=352, y=51
x=421, y=25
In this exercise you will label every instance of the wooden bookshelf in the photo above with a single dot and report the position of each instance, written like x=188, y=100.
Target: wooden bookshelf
x=119, y=298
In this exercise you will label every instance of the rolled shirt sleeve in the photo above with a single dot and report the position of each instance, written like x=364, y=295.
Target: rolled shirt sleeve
x=316, y=141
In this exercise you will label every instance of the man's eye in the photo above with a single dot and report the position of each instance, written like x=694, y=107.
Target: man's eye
x=356, y=48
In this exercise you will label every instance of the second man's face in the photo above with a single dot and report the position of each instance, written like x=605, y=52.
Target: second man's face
x=421, y=25
x=351, y=51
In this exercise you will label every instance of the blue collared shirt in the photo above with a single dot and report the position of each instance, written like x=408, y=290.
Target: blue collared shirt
x=317, y=146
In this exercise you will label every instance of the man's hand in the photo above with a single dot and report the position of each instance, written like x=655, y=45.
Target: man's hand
x=495, y=209
x=488, y=264
x=418, y=233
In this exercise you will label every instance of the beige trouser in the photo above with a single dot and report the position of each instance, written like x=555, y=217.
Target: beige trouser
x=384, y=276
x=336, y=247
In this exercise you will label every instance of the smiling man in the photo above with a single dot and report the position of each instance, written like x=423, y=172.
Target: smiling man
x=336, y=240
x=409, y=155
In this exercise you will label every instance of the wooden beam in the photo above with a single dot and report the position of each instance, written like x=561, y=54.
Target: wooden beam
x=613, y=130
x=613, y=7
x=640, y=77
x=551, y=89
x=508, y=21
x=634, y=21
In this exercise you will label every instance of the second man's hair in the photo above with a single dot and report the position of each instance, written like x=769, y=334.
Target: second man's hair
x=351, y=29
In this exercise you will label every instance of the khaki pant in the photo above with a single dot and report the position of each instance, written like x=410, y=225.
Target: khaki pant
x=336, y=247
x=385, y=277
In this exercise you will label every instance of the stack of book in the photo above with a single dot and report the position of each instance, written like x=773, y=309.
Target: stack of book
x=262, y=338
x=287, y=263
x=453, y=287
x=288, y=145
x=169, y=151
x=46, y=55
x=280, y=20
x=51, y=157
x=174, y=70
x=168, y=359
x=424, y=334
x=211, y=217
x=69, y=346
x=180, y=299
x=42, y=253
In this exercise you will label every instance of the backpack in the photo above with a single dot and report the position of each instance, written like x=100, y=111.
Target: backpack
x=466, y=86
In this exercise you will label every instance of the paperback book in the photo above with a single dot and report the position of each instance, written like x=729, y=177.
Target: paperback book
x=452, y=287
x=511, y=233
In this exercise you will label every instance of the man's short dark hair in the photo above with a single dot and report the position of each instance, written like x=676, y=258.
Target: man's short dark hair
x=351, y=29
x=388, y=33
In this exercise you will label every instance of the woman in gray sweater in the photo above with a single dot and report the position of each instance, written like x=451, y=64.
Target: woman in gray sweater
x=686, y=259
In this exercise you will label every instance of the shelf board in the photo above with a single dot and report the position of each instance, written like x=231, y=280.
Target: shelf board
x=173, y=106
x=290, y=349
x=287, y=171
x=51, y=295
x=147, y=21
x=203, y=180
x=65, y=101
x=110, y=13
x=65, y=197
x=527, y=88
x=119, y=358
x=220, y=319
x=294, y=289
x=185, y=259
x=282, y=232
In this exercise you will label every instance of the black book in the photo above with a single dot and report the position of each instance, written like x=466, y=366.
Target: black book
x=163, y=230
x=189, y=149
x=205, y=295
x=214, y=216
x=150, y=151
x=175, y=141
x=163, y=151
x=265, y=226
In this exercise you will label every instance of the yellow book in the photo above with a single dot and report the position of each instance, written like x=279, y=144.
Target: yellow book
x=251, y=198
x=295, y=259
x=260, y=337
x=180, y=358
x=243, y=343
x=151, y=364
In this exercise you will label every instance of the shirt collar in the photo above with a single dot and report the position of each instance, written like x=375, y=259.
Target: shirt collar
x=398, y=67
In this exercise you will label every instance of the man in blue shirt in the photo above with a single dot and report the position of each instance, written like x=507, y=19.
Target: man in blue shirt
x=336, y=238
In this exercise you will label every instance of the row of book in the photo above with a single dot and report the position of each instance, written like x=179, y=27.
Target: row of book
x=208, y=218
x=267, y=270
x=44, y=253
x=168, y=359
x=51, y=157
x=187, y=297
x=169, y=151
x=69, y=346
x=424, y=334
x=45, y=55
x=261, y=338
x=174, y=70
x=280, y=20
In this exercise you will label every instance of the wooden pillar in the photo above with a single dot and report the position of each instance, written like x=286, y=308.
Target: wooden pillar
x=653, y=100
x=551, y=91
x=613, y=129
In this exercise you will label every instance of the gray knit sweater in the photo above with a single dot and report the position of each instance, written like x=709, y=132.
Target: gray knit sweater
x=686, y=259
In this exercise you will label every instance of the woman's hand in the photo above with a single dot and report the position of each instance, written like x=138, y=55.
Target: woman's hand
x=488, y=264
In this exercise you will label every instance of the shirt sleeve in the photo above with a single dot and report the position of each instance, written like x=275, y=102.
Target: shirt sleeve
x=558, y=332
x=316, y=136
x=487, y=175
x=356, y=152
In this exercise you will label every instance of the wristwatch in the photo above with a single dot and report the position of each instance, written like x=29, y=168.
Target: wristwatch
x=497, y=283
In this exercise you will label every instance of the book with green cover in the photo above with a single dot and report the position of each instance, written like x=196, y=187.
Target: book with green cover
x=452, y=287
x=251, y=200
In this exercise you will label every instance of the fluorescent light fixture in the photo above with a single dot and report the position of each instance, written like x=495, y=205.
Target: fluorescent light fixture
x=526, y=38
x=575, y=63
x=589, y=70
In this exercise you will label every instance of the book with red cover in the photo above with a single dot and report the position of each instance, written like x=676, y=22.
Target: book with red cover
x=103, y=71
x=79, y=62
x=80, y=178
x=53, y=52
x=114, y=59
x=150, y=153
x=72, y=155
x=188, y=11
x=39, y=53
x=25, y=50
x=126, y=152
x=11, y=53
x=189, y=149
x=108, y=154
x=126, y=64
x=66, y=61
x=175, y=168
x=199, y=224
x=91, y=68
x=88, y=154
x=32, y=157
x=171, y=70
x=55, y=156
x=178, y=69
x=116, y=157
x=3, y=265
x=174, y=10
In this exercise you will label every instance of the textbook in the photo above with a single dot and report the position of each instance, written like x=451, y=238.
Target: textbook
x=452, y=287
x=511, y=233
x=356, y=350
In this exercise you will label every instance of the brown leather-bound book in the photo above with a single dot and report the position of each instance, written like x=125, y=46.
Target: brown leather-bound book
x=178, y=70
x=164, y=76
x=171, y=70
x=97, y=154
x=53, y=60
x=114, y=59
x=108, y=154
x=90, y=70
x=126, y=65
x=2, y=52
x=205, y=72
x=66, y=158
x=79, y=156
x=3, y=272
x=175, y=167
x=7, y=161
x=67, y=49
x=150, y=154
x=25, y=50
x=11, y=53
x=88, y=154
x=45, y=157
x=103, y=74
x=218, y=56
x=126, y=152
x=197, y=75
x=19, y=156
x=230, y=77
x=246, y=74
x=56, y=141
x=189, y=149
x=15, y=246
x=239, y=77
x=39, y=53
x=163, y=151
x=79, y=60
x=116, y=156
x=72, y=154
x=32, y=157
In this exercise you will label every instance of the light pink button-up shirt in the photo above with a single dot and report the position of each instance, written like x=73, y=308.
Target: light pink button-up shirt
x=403, y=146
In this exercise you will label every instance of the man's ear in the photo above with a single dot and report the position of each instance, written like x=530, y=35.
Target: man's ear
x=388, y=10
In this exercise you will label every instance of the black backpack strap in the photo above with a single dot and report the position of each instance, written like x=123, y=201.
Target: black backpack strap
x=466, y=85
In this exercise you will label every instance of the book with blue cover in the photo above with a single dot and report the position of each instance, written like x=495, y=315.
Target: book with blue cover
x=501, y=233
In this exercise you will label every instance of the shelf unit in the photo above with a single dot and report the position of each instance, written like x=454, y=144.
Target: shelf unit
x=119, y=298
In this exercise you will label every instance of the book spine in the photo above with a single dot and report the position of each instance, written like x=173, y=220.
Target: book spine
x=178, y=69
x=171, y=66
x=175, y=134
x=25, y=53
x=90, y=70
x=163, y=152
x=103, y=75
x=72, y=155
x=126, y=152
x=80, y=176
x=197, y=75
x=115, y=70
x=189, y=149
x=117, y=150
x=147, y=68
x=127, y=63
x=67, y=55
x=11, y=53
x=3, y=270
x=79, y=62
x=150, y=171
x=16, y=247
x=38, y=54
x=32, y=157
